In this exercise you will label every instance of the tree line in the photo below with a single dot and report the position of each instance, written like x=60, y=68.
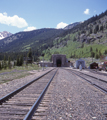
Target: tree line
x=7, y=62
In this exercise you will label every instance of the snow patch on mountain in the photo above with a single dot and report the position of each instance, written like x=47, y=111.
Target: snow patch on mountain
x=4, y=34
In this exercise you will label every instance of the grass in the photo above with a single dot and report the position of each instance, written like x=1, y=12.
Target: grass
x=16, y=72
x=11, y=76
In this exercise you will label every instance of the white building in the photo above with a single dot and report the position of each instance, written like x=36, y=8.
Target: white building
x=78, y=63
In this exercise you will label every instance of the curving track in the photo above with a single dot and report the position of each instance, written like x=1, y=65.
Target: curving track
x=22, y=103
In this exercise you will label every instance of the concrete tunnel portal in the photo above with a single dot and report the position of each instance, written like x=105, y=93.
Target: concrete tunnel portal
x=58, y=62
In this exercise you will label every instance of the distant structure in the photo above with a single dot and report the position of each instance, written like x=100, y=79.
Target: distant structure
x=78, y=63
x=93, y=65
x=58, y=60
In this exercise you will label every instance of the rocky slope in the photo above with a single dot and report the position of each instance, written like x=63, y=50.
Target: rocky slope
x=70, y=26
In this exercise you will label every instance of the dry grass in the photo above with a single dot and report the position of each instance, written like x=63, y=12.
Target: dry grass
x=16, y=73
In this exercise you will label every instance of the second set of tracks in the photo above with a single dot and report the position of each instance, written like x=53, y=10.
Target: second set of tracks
x=22, y=103
x=95, y=81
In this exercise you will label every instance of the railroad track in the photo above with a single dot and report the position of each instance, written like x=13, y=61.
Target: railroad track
x=22, y=103
x=96, y=72
x=93, y=80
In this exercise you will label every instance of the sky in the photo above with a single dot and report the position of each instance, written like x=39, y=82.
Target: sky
x=26, y=15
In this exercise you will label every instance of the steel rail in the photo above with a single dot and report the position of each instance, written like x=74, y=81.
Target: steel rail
x=102, y=89
x=96, y=72
x=36, y=104
x=94, y=77
x=8, y=96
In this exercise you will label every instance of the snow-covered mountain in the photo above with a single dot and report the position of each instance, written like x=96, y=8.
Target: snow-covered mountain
x=4, y=34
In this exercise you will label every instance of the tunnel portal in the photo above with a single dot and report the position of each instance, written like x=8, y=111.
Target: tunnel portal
x=58, y=62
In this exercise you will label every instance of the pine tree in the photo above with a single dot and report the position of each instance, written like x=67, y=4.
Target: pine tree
x=29, y=56
x=96, y=56
x=90, y=31
x=100, y=53
x=101, y=28
x=18, y=61
x=0, y=66
x=95, y=31
x=97, y=28
x=4, y=62
x=9, y=64
x=91, y=49
x=92, y=55
x=30, y=53
x=96, y=50
x=21, y=60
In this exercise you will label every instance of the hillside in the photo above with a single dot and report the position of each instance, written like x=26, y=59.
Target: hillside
x=22, y=41
x=88, y=39
x=70, y=26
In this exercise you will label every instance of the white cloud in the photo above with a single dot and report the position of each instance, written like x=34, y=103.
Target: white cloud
x=13, y=21
x=61, y=25
x=30, y=28
x=87, y=11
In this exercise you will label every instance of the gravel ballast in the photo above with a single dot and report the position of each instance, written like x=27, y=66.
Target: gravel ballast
x=70, y=97
x=74, y=99
x=6, y=88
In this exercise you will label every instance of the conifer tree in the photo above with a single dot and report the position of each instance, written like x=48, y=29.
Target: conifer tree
x=9, y=64
x=91, y=49
x=92, y=55
x=18, y=61
x=90, y=31
x=4, y=62
x=96, y=50
x=96, y=56
x=29, y=56
x=21, y=60
x=101, y=28
x=0, y=66
x=30, y=53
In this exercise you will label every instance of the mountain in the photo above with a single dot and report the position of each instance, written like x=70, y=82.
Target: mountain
x=81, y=40
x=70, y=26
x=88, y=39
x=4, y=34
x=22, y=41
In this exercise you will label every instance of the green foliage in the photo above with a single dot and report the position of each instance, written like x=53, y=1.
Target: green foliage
x=9, y=64
x=92, y=54
x=97, y=56
x=105, y=52
x=4, y=62
x=33, y=39
x=82, y=45
x=53, y=41
x=91, y=49
x=0, y=66
x=19, y=60
x=29, y=53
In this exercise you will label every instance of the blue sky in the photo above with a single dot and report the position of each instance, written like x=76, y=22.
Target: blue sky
x=23, y=15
